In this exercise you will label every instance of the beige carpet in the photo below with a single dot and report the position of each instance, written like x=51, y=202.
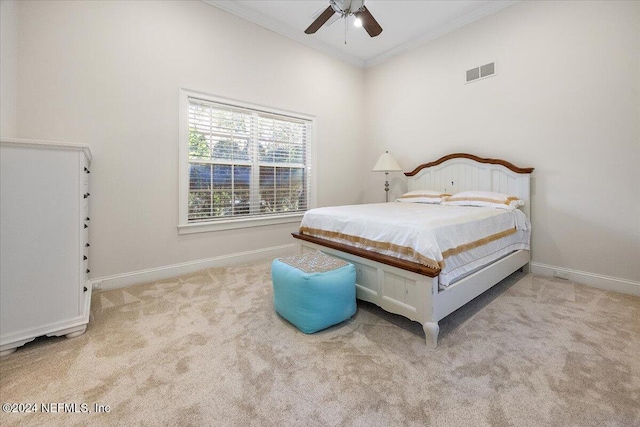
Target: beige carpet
x=208, y=349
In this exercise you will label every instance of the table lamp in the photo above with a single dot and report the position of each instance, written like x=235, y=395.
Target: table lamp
x=386, y=163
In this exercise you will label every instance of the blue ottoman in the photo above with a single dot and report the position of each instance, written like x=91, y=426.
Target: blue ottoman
x=313, y=291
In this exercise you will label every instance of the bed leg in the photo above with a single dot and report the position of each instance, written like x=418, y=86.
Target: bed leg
x=526, y=269
x=431, y=330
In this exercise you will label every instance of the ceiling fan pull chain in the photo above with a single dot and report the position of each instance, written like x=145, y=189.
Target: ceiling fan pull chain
x=346, y=18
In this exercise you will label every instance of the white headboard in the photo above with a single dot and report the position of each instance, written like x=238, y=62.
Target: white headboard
x=464, y=172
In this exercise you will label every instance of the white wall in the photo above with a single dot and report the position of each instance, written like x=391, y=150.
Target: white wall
x=566, y=101
x=108, y=74
x=8, y=68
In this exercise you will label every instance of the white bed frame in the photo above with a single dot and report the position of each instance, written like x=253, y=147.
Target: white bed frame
x=415, y=295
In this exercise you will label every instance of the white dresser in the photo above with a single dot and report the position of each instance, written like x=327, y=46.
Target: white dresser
x=44, y=240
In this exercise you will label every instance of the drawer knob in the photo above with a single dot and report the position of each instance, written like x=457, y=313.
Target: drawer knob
x=85, y=288
x=87, y=245
x=84, y=257
x=86, y=226
x=88, y=271
x=88, y=219
x=87, y=170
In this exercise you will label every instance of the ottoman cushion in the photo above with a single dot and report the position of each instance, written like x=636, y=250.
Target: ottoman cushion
x=313, y=291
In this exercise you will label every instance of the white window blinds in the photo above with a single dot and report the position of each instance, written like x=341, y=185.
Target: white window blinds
x=245, y=162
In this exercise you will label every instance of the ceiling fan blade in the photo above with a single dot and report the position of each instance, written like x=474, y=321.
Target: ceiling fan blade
x=320, y=20
x=331, y=20
x=369, y=22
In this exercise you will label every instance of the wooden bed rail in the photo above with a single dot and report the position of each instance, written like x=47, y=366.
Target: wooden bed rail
x=384, y=259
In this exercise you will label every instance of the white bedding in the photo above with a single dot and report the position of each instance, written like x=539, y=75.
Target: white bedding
x=456, y=239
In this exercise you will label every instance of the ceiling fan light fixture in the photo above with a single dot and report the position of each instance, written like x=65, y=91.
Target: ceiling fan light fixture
x=357, y=22
x=344, y=9
x=336, y=7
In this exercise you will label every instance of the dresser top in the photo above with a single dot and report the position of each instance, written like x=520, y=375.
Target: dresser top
x=17, y=142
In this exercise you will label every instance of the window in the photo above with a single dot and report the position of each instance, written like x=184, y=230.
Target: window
x=242, y=165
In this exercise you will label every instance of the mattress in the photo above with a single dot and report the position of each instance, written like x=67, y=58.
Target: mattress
x=455, y=239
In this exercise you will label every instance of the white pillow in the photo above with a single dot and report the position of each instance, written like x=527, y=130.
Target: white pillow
x=423, y=196
x=487, y=199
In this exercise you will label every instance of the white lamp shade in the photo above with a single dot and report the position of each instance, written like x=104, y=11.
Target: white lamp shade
x=386, y=163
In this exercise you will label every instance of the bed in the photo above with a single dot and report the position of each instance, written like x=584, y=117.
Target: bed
x=421, y=288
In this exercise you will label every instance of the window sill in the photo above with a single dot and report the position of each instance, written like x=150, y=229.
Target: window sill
x=230, y=224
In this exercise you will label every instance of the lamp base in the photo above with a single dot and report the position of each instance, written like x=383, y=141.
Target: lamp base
x=386, y=187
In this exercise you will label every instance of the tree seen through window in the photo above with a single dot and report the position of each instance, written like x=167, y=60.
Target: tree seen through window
x=245, y=163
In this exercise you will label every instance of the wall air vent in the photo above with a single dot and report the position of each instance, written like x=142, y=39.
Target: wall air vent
x=481, y=72
x=473, y=74
x=488, y=70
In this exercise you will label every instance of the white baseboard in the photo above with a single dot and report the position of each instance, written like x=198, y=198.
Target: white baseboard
x=150, y=275
x=165, y=272
x=607, y=283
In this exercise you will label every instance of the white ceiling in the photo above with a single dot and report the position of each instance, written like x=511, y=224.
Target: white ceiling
x=405, y=23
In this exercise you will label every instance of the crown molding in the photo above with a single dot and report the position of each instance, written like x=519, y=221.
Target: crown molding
x=287, y=31
x=490, y=9
x=283, y=29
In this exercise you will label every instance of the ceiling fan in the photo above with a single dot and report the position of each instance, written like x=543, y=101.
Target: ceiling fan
x=345, y=8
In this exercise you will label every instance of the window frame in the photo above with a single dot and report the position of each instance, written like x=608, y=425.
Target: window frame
x=184, y=227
